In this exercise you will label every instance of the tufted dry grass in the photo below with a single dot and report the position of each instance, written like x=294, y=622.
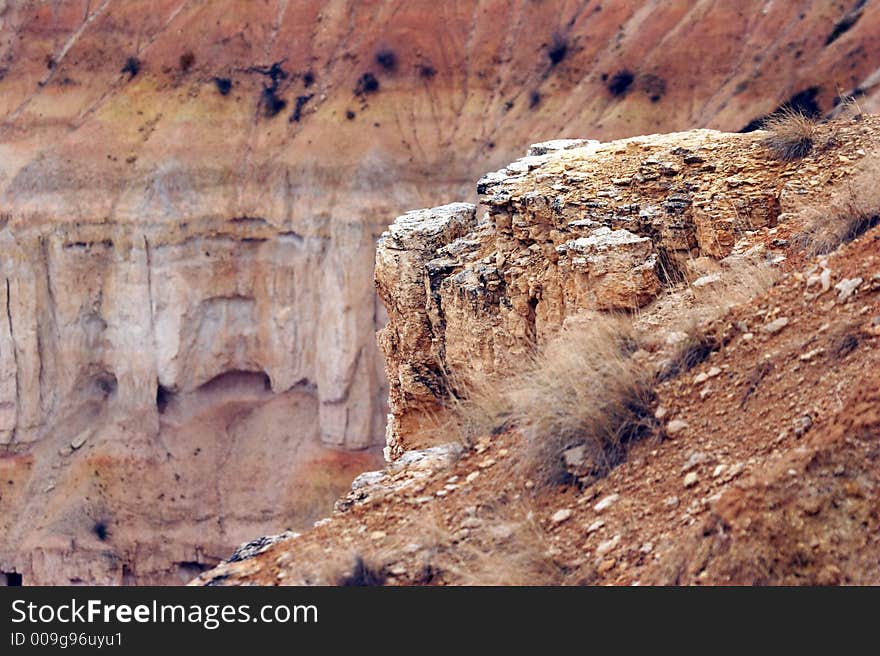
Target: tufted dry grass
x=790, y=135
x=582, y=388
x=846, y=216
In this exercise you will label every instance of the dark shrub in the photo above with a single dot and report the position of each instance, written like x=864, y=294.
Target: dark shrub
x=387, y=59
x=101, y=530
x=620, y=82
x=298, y=107
x=132, y=66
x=558, y=49
x=271, y=103
x=187, y=60
x=224, y=85
x=366, y=84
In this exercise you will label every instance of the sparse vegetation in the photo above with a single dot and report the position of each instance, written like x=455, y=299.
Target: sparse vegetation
x=654, y=86
x=620, y=82
x=844, y=343
x=426, y=71
x=695, y=347
x=842, y=226
x=101, y=530
x=480, y=405
x=790, y=134
x=509, y=548
x=846, y=23
x=558, y=49
x=132, y=66
x=699, y=326
x=803, y=102
x=187, y=60
x=275, y=73
x=583, y=388
x=387, y=59
x=224, y=85
x=271, y=103
x=298, y=107
x=846, y=216
x=362, y=574
x=534, y=99
x=366, y=84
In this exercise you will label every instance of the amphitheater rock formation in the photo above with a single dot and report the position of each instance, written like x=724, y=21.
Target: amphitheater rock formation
x=190, y=196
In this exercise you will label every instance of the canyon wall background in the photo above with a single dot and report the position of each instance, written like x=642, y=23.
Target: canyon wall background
x=190, y=195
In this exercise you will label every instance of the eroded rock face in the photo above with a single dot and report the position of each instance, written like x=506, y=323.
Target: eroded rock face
x=190, y=195
x=127, y=125
x=120, y=315
x=402, y=259
x=581, y=227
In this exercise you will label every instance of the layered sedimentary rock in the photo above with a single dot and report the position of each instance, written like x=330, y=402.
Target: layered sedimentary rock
x=190, y=195
x=319, y=120
x=583, y=226
x=760, y=463
x=129, y=315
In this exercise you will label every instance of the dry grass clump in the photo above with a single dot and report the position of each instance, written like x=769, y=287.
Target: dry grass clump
x=845, y=217
x=585, y=389
x=330, y=562
x=739, y=283
x=362, y=574
x=695, y=346
x=582, y=389
x=790, y=134
x=480, y=405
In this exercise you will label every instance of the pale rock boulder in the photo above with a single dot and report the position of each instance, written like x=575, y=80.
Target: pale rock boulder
x=610, y=269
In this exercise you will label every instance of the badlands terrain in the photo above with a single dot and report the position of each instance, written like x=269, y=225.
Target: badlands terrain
x=191, y=196
x=749, y=454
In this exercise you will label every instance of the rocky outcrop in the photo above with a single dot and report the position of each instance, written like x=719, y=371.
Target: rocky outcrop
x=402, y=259
x=190, y=195
x=581, y=226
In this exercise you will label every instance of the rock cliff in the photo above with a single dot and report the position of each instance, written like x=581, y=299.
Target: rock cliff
x=580, y=226
x=190, y=196
x=759, y=461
